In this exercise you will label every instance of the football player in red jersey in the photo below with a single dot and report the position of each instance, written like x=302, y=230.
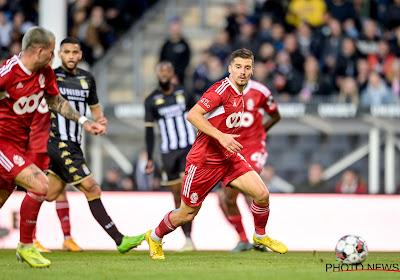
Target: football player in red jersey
x=215, y=157
x=24, y=81
x=257, y=101
x=37, y=153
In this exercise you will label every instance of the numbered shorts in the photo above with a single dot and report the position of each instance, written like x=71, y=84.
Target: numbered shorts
x=198, y=182
x=67, y=162
x=256, y=155
x=12, y=162
x=174, y=164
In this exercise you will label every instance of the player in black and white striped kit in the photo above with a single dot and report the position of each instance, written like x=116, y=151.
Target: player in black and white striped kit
x=67, y=163
x=168, y=105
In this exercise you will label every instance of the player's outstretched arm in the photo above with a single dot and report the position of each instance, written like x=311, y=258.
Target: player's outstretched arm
x=196, y=117
x=62, y=106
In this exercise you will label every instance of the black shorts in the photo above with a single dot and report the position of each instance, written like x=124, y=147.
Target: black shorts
x=174, y=164
x=67, y=161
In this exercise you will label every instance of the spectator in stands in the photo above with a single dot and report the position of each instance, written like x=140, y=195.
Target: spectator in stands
x=262, y=75
x=309, y=43
x=393, y=78
x=235, y=17
x=348, y=92
x=266, y=55
x=287, y=80
x=342, y=10
x=315, y=182
x=273, y=182
x=395, y=42
x=310, y=11
x=350, y=29
x=277, y=35
x=176, y=49
x=291, y=46
x=391, y=17
x=112, y=180
x=247, y=37
x=381, y=61
x=331, y=46
x=368, y=41
x=271, y=8
x=377, y=92
x=315, y=84
x=220, y=46
x=351, y=183
x=346, y=65
x=5, y=30
x=362, y=73
x=264, y=28
x=21, y=25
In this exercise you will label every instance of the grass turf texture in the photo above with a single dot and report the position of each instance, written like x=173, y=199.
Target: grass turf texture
x=190, y=265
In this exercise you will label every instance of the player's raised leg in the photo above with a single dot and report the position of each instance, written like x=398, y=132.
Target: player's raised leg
x=36, y=183
x=227, y=200
x=92, y=191
x=252, y=184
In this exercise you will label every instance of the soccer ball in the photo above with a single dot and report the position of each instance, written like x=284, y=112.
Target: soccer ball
x=351, y=249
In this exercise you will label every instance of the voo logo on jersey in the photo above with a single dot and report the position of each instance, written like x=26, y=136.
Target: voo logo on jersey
x=248, y=119
x=27, y=104
x=234, y=120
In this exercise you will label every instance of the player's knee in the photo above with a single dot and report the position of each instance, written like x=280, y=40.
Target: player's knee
x=40, y=185
x=93, y=189
x=263, y=197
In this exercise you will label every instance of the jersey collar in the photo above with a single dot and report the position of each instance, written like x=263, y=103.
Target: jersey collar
x=247, y=88
x=26, y=70
x=233, y=86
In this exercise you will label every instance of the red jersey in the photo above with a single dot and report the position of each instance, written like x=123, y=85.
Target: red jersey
x=40, y=129
x=21, y=93
x=257, y=100
x=224, y=105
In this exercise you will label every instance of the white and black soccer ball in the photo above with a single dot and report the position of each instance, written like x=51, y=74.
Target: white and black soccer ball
x=351, y=249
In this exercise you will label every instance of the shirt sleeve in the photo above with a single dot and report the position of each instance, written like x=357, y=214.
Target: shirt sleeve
x=5, y=80
x=93, y=99
x=51, y=86
x=210, y=100
x=270, y=105
x=148, y=115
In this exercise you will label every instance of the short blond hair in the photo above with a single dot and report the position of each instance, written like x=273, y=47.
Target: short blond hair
x=37, y=37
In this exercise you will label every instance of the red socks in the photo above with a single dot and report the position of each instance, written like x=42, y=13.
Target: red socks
x=236, y=222
x=30, y=207
x=62, y=208
x=165, y=226
x=260, y=214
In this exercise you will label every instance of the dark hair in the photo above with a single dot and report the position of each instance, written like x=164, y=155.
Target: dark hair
x=71, y=40
x=242, y=53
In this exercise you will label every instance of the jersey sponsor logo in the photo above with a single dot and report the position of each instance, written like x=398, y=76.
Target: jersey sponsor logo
x=18, y=160
x=234, y=119
x=43, y=108
x=205, y=101
x=41, y=80
x=172, y=110
x=248, y=119
x=27, y=104
x=20, y=85
x=194, y=197
x=74, y=93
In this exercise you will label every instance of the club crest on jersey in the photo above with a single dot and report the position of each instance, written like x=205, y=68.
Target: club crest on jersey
x=84, y=84
x=250, y=104
x=41, y=80
x=159, y=101
x=194, y=198
x=18, y=160
x=180, y=99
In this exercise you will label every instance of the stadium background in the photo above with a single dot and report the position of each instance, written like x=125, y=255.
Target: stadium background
x=122, y=46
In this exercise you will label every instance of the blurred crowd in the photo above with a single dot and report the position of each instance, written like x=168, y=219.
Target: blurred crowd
x=96, y=23
x=313, y=50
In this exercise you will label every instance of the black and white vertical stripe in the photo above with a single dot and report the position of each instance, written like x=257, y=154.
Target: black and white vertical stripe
x=70, y=130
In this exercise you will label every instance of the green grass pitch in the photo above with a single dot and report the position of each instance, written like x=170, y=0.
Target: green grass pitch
x=191, y=265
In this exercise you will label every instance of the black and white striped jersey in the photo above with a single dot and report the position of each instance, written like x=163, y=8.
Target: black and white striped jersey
x=170, y=112
x=79, y=90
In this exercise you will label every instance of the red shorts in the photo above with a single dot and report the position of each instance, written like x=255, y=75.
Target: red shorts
x=256, y=155
x=198, y=182
x=41, y=160
x=12, y=162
